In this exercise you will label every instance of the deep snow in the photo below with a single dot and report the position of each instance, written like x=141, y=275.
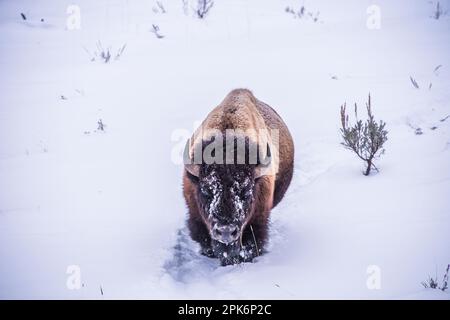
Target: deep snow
x=110, y=202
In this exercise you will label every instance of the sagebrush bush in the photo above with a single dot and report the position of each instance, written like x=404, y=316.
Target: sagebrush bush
x=105, y=54
x=203, y=7
x=434, y=284
x=365, y=139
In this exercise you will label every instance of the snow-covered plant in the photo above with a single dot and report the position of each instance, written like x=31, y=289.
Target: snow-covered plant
x=155, y=30
x=438, y=11
x=303, y=13
x=365, y=139
x=430, y=283
x=105, y=54
x=161, y=7
x=203, y=7
x=101, y=125
x=434, y=284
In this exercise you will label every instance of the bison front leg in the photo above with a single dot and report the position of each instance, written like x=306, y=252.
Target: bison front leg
x=199, y=232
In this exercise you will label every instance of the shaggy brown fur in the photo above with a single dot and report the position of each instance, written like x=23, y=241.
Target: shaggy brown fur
x=239, y=110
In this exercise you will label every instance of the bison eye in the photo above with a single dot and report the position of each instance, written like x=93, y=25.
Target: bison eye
x=206, y=193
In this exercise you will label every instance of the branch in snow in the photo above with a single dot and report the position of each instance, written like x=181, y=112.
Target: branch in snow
x=101, y=125
x=433, y=283
x=438, y=12
x=303, y=13
x=105, y=54
x=155, y=30
x=203, y=8
x=437, y=69
x=414, y=82
x=159, y=8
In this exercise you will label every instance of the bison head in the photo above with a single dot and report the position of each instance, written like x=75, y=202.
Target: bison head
x=226, y=194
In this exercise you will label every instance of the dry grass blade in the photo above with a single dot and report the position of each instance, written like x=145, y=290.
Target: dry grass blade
x=414, y=82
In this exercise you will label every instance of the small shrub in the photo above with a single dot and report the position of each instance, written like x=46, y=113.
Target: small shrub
x=106, y=54
x=438, y=11
x=430, y=283
x=302, y=13
x=434, y=284
x=161, y=7
x=101, y=125
x=365, y=139
x=155, y=30
x=203, y=7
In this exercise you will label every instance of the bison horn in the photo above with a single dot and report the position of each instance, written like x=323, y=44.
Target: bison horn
x=261, y=168
x=190, y=167
x=193, y=169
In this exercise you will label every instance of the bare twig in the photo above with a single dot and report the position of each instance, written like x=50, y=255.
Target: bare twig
x=105, y=54
x=155, y=30
x=161, y=7
x=414, y=82
x=101, y=125
x=120, y=52
x=203, y=8
x=437, y=68
x=443, y=119
x=438, y=11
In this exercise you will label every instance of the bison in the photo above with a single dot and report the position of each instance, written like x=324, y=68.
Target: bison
x=237, y=167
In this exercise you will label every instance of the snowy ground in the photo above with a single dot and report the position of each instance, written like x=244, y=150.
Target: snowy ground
x=110, y=202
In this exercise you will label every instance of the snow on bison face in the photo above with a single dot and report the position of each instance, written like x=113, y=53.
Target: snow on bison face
x=226, y=195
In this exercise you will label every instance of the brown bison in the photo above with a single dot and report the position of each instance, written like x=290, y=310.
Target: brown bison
x=238, y=166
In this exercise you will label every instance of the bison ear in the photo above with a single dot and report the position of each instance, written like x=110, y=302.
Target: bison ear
x=193, y=169
x=263, y=167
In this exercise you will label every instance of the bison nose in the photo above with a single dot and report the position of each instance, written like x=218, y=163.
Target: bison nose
x=225, y=234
